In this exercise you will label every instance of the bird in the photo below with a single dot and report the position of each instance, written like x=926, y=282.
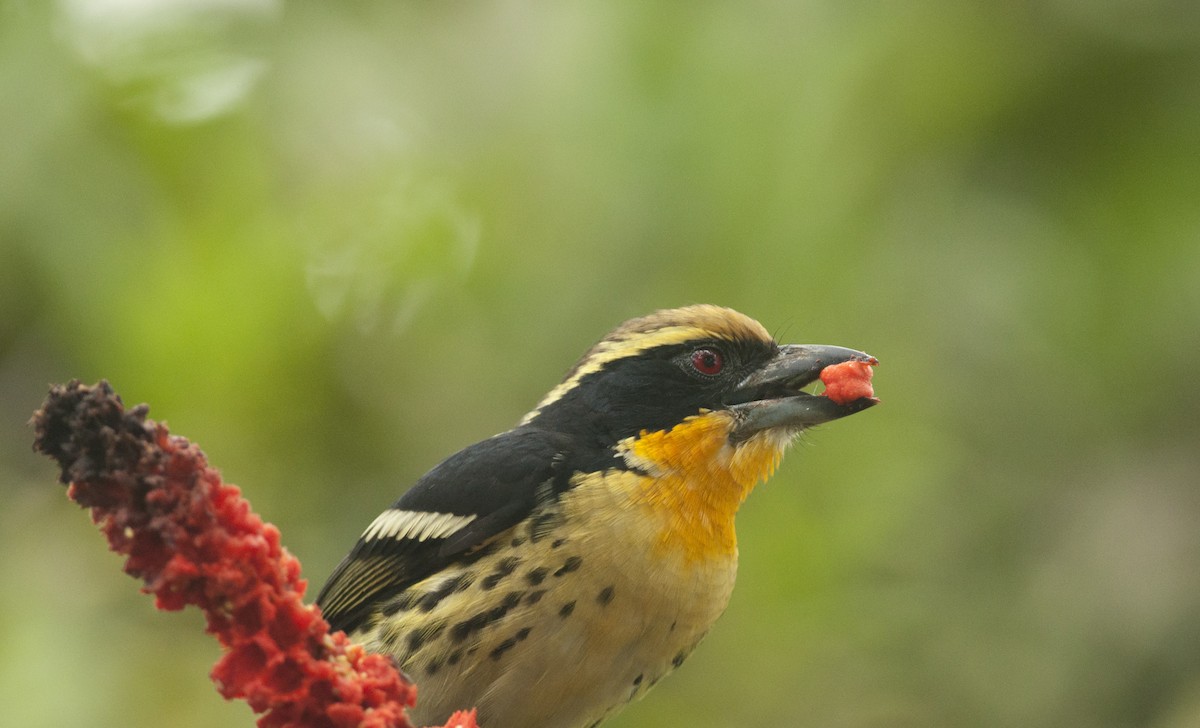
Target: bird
x=552, y=573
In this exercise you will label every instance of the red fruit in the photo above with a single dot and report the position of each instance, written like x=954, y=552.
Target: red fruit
x=848, y=381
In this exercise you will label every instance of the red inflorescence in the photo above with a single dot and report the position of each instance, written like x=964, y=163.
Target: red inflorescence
x=195, y=540
x=462, y=719
x=848, y=381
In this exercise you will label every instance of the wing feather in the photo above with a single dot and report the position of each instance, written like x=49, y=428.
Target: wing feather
x=453, y=509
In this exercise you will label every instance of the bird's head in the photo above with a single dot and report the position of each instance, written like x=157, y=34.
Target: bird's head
x=701, y=403
x=653, y=373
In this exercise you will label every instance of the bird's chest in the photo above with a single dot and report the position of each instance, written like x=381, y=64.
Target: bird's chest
x=569, y=617
x=609, y=630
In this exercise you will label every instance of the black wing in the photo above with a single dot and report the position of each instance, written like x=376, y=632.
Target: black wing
x=467, y=499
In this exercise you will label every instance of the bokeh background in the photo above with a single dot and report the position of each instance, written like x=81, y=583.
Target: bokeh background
x=333, y=243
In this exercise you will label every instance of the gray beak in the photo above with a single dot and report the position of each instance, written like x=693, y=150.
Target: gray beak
x=770, y=398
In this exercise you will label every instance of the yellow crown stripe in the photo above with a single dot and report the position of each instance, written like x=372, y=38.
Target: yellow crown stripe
x=646, y=333
x=611, y=350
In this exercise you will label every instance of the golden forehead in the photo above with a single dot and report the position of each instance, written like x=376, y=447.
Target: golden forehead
x=706, y=319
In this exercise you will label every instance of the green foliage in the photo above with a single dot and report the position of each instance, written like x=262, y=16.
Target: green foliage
x=334, y=244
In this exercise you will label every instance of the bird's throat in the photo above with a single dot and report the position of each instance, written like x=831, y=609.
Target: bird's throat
x=696, y=480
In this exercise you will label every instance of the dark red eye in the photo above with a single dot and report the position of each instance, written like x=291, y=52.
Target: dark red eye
x=708, y=361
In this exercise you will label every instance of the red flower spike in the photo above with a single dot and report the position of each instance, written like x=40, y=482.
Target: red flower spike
x=848, y=381
x=193, y=539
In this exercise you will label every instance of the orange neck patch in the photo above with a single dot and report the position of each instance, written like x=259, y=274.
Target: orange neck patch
x=697, y=480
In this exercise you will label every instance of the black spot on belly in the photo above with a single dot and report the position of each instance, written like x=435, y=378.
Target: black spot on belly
x=402, y=603
x=503, y=647
x=423, y=634
x=429, y=600
x=463, y=629
x=569, y=565
x=505, y=567
x=510, y=643
x=537, y=576
x=566, y=610
x=542, y=524
x=511, y=600
x=605, y=596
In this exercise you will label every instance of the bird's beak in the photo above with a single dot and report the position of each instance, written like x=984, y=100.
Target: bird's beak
x=771, y=398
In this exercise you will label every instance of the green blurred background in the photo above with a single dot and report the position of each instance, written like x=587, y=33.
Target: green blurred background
x=333, y=244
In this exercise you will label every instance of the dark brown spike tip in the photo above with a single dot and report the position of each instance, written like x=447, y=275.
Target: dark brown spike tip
x=89, y=433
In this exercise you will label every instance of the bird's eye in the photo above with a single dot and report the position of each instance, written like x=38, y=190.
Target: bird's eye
x=708, y=362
